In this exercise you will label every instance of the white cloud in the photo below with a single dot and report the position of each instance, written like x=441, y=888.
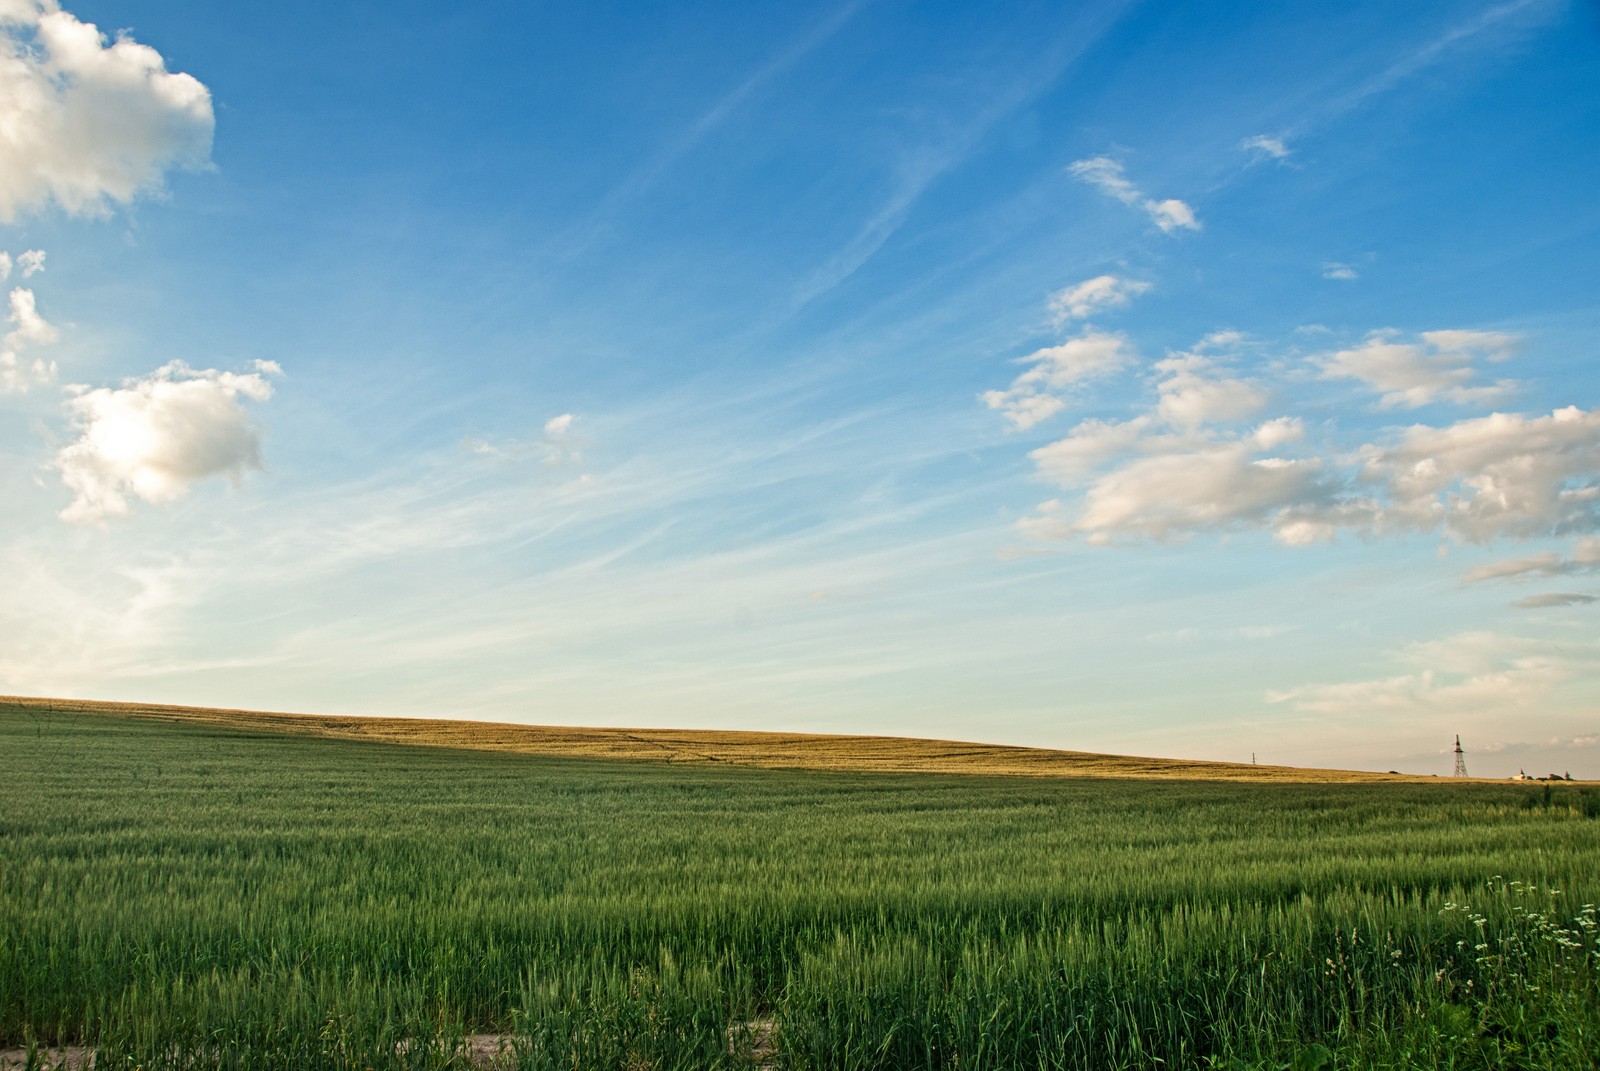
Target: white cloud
x=1184, y=465
x=1503, y=475
x=1107, y=175
x=1165, y=474
x=1475, y=672
x=1034, y=395
x=1334, y=269
x=84, y=121
x=17, y=374
x=31, y=262
x=1413, y=374
x=5, y=265
x=1278, y=431
x=1024, y=408
x=1547, y=564
x=1585, y=558
x=156, y=436
x=1141, y=482
x=28, y=327
x=1263, y=146
x=1224, y=338
x=1092, y=296
x=1172, y=496
x=1172, y=214
x=555, y=445
x=1071, y=461
x=1189, y=397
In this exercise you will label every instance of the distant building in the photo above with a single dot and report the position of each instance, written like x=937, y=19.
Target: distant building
x=1522, y=775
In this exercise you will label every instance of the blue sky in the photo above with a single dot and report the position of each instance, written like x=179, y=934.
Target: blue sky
x=1196, y=380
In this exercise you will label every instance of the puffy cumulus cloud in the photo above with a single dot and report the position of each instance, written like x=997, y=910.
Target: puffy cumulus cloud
x=1334, y=269
x=1073, y=460
x=28, y=328
x=1585, y=558
x=1441, y=365
x=1190, y=396
x=18, y=374
x=1170, y=472
x=1187, y=463
x=1092, y=296
x=1035, y=395
x=1265, y=147
x=1109, y=177
x=1503, y=475
x=154, y=437
x=85, y=121
x=1172, y=214
x=1222, y=486
x=30, y=262
x=1475, y=672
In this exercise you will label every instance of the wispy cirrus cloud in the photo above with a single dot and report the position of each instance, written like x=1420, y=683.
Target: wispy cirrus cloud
x=1509, y=17
x=1553, y=599
x=1585, y=558
x=1265, y=147
x=1468, y=673
x=1110, y=177
x=556, y=446
x=920, y=169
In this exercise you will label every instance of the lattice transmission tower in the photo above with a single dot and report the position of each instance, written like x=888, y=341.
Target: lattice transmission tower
x=1461, y=758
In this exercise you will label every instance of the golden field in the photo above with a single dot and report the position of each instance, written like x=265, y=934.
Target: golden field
x=761, y=750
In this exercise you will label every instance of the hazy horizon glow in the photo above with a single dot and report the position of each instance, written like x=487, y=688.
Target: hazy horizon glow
x=1001, y=374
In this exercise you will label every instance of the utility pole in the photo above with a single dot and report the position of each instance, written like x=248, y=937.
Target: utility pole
x=1461, y=758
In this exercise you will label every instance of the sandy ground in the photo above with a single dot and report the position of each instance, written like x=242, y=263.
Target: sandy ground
x=486, y=1052
x=73, y=1057
x=490, y=1052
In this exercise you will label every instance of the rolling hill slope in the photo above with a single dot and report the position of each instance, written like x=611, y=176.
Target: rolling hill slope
x=767, y=750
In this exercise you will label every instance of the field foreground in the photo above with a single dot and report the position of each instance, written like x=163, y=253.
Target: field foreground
x=760, y=750
x=186, y=892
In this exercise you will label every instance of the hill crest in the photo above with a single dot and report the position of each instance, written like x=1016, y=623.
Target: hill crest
x=750, y=748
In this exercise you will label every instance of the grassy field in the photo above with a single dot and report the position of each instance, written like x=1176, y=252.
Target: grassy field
x=194, y=892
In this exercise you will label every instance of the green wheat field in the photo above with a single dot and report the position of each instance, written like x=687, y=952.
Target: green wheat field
x=196, y=894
